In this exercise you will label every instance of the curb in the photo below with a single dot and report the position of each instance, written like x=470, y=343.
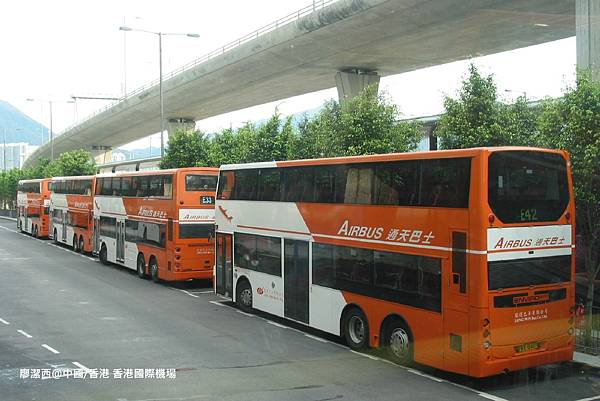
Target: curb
x=8, y=218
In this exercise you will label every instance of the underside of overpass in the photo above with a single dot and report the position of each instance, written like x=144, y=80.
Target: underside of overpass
x=373, y=37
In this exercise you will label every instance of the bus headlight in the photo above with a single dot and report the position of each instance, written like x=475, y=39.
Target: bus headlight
x=487, y=344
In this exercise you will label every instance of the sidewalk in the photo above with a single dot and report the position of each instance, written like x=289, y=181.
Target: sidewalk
x=8, y=218
x=588, y=359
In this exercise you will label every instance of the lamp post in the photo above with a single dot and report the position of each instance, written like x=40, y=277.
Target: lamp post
x=50, y=102
x=160, y=75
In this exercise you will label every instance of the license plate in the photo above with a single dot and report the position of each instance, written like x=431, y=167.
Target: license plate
x=528, y=347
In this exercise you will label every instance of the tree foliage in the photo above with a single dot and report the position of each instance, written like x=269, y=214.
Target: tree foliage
x=185, y=149
x=573, y=123
x=478, y=118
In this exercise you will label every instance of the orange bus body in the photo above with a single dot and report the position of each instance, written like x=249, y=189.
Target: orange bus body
x=71, y=210
x=440, y=268
x=33, y=202
x=160, y=223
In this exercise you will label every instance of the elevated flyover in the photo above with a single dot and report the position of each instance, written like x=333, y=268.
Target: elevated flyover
x=303, y=53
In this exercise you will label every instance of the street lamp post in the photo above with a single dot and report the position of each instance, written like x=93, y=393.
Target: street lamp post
x=50, y=102
x=160, y=75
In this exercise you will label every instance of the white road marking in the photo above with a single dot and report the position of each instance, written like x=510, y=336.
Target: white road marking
x=25, y=334
x=219, y=303
x=9, y=259
x=493, y=397
x=245, y=314
x=189, y=293
x=416, y=372
x=316, y=338
x=204, y=292
x=49, y=348
x=365, y=355
x=3, y=321
x=80, y=366
x=597, y=397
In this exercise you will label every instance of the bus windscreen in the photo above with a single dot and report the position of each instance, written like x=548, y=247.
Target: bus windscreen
x=197, y=182
x=527, y=186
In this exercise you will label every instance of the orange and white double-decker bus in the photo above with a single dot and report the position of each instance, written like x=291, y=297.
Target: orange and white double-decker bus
x=160, y=223
x=461, y=260
x=33, y=204
x=71, y=211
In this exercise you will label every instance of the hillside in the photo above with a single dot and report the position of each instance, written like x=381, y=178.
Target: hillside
x=19, y=126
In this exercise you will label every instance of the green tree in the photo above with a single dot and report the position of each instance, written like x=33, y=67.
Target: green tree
x=186, y=149
x=365, y=124
x=75, y=162
x=573, y=123
x=478, y=118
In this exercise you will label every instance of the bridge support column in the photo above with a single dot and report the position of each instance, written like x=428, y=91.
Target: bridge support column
x=351, y=82
x=101, y=154
x=180, y=124
x=587, y=23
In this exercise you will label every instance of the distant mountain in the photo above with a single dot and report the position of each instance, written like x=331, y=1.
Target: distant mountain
x=138, y=153
x=19, y=126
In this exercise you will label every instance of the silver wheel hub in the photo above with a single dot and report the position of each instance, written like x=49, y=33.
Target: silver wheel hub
x=356, y=329
x=399, y=342
x=246, y=296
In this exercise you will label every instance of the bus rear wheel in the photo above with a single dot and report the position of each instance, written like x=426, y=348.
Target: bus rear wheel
x=356, y=329
x=141, y=267
x=243, y=295
x=103, y=255
x=153, y=267
x=75, y=244
x=398, y=343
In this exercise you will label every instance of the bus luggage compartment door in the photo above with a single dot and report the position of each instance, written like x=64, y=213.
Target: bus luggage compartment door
x=295, y=280
x=224, y=265
x=456, y=310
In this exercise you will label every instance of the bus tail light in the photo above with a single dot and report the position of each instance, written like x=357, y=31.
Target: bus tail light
x=177, y=250
x=177, y=257
x=486, y=322
x=571, y=320
x=486, y=333
x=487, y=344
x=568, y=216
x=491, y=218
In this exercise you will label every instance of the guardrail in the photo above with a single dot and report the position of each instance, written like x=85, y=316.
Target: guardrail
x=314, y=6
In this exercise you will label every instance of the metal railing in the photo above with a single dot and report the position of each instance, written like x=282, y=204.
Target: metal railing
x=587, y=333
x=314, y=6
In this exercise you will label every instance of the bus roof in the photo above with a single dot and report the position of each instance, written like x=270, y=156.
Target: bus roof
x=33, y=180
x=74, y=177
x=159, y=172
x=385, y=157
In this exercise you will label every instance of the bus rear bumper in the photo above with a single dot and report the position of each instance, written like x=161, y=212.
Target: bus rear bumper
x=187, y=275
x=499, y=366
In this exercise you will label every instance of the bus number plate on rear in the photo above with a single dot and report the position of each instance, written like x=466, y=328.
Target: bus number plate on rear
x=207, y=200
x=528, y=347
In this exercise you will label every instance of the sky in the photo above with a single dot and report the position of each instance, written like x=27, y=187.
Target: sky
x=52, y=50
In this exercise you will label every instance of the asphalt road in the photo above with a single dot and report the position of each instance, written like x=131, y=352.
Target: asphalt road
x=63, y=311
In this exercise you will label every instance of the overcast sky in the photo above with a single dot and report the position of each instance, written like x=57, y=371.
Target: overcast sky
x=54, y=49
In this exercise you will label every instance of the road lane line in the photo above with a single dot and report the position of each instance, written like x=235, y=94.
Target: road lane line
x=281, y=326
x=189, y=293
x=49, y=348
x=316, y=338
x=416, y=372
x=597, y=397
x=204, y=292
x=219, y=303
x=80, y=366
x=494, y=398
x=4, y=321
x=24, y=333
x=245, y=314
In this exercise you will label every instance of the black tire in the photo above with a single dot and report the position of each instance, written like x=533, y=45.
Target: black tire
x=81, y=245
x=75, y=244
x=243, y=295
x=54, y=237
x=34, y=232
x=355, y=327
x=141, y=267
x=398, y=343
x=103, y=255
x=153, y=268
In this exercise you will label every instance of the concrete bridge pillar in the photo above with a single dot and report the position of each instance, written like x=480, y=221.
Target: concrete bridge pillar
x=101, y=154
x=180, y=124
x=351, y=82
x=587, y=21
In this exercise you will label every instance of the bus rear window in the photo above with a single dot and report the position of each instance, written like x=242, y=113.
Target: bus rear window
x=197, y=182
x=526, y=186
x=531, y=271
x=196, y=231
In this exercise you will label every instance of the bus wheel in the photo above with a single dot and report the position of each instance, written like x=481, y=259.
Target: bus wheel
x=34, y=232
x=356, y=329
x=243, y=296
x=81, y=245
x=103, y=255
x=153, y=267
x=141, y=267
x=398, y=343
x=75, y=244
x=54, y=237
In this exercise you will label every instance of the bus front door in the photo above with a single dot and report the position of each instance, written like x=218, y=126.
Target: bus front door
x=295, y=280
x=224, y=265
x=120, y=241
x=456, y=309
